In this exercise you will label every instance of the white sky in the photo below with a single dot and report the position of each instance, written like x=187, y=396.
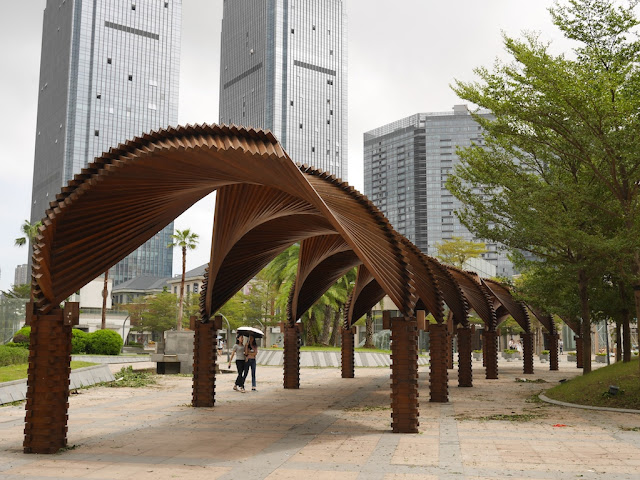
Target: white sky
x=402, y=58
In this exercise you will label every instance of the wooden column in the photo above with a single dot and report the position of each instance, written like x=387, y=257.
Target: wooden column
x=491, y=354
x=465, y=362
x=48, y=378
x=205, y=354
x=404, y=374
x=450, y=336
x=527, y=352
x=579, y=359
x=552, y=341
x=439, y=357
x=348, y=353
x=291, y=356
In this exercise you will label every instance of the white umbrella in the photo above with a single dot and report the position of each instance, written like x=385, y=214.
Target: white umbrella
x=250, y=331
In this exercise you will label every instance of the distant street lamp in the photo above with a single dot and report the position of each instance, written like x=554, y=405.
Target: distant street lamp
x=123, y=339
x=228, y=335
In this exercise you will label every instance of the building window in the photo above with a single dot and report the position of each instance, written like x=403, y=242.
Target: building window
x=330, y=52
x=133, y=6
x=175, y=290
x=130, y=78
x=330, y=112
x=328, y=122
x=300, y=125
x=329, y=82
x=96, y=133
x=109, y=60
x=313, y=28
x=188, y=289
x=291, y=103
x=313, y=149
x=98, y=96
x=293, y=31
x=195, y=288
x=166, y=4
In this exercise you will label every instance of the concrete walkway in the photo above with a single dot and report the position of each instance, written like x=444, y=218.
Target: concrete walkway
x=332, y=428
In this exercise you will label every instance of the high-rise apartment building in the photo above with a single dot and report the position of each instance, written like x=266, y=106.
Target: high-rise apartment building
x=284, y=68
x=109, y=72
x=20, y=276
x=406, y=165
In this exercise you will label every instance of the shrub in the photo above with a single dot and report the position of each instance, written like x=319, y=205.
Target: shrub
x=544, y=352
x=510, y=350
x=104, y=342
x=22, y=336
x=477, y=351
x=79, y=341
x=13, y=355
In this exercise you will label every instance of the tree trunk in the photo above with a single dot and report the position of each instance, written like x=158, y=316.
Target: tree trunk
x=184, y=270
x=626, y=337
x=105, y=294
x=326, y=326
x=312, y=337
x=618, y=340
x=368, y=339
x=585, y=324
x=335, y=328
x=636, y=292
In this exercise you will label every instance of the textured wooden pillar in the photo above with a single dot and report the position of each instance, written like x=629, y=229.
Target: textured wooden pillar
x=48, y=379
x=552, y=341
x=348, y=353
x=465, y=363
x=205, y=353
x=527, y=352
x=438, y=375
x=491, y=354
x=291, y=356
x=579, y=359
x=484, y=347
x=450, y=337
x=404, y=375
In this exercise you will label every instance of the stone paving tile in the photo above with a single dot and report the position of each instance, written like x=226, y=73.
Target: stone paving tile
x=331, y=428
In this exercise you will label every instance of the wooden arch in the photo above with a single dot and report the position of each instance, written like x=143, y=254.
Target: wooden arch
x=123, y=198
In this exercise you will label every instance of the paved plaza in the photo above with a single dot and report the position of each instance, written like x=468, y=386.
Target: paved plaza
x=332, y=428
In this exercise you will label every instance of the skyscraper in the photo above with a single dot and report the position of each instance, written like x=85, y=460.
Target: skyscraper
x=109, y=72
x=406, y=165
x=284, y=68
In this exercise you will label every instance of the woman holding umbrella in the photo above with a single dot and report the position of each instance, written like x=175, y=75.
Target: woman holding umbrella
x=250, y=353
x=238, y=352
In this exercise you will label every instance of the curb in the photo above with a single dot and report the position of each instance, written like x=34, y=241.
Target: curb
x=586, y=407
x=16, y=390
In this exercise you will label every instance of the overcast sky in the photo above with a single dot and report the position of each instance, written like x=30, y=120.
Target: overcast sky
x=403, y=56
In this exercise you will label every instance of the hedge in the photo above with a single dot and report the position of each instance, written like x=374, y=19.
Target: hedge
x=12, y=355
x=79, y=340
x=104, y=342
x=22, y=336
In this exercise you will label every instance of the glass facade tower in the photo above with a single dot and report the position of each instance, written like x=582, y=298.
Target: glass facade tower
x=284, y=68
x=109, y=72
x=406, y=165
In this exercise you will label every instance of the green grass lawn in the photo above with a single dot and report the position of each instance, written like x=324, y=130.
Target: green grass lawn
x=19, y=371
x=592, y=389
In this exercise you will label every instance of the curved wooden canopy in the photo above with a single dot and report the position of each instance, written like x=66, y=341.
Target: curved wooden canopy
x=130, y=193
x=514, y=307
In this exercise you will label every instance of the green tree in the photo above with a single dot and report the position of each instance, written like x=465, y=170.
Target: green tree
x=153, y=313
x=561, y=148
x=29, y=232
x=186, y=240
x=458, y=250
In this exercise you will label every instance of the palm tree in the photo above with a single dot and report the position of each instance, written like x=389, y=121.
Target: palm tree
x=184, y=239
x=30, y=231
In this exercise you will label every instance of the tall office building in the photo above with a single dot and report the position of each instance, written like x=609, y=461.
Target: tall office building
x=284, y=68
x=406, y=165
x=109, y=72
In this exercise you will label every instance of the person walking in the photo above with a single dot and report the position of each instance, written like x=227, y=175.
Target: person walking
x=238, y=352
x=250, y=353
